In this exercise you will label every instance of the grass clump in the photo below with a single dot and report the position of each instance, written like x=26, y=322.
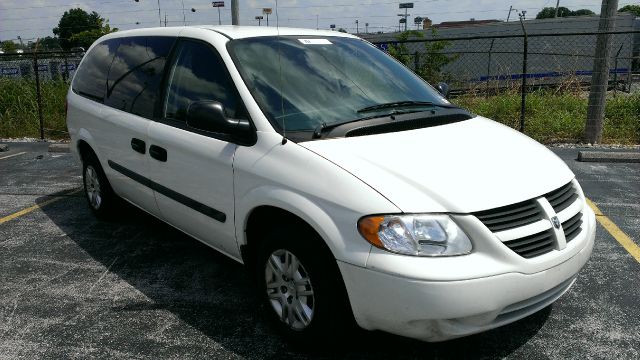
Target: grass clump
x=553, y=117
x=19, y=108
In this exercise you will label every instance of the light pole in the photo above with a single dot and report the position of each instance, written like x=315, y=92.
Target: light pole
x=366, y=28
x=267, y=11
x=218, y=5
x=357, y=27
x=405, y=6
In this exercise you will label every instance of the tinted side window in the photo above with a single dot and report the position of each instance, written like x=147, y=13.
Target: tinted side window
x=136, y=73
x=199, y=74
x=91, y=78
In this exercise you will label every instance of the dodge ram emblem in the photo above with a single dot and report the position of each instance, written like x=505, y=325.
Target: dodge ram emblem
x=556, y=222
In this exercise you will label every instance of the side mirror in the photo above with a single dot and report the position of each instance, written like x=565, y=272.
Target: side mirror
x=210, y=116
x=444, y=89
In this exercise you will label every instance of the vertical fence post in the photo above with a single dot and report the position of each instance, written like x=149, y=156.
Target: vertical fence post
x=65, y=74
x=523, y=90
x=416, y=61
x=615, y=71
x=38, y=94
x=486, y=92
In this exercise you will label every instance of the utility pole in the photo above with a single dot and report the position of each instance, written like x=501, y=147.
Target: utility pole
x=184, y=17
x=160, y=17
x=165, y=19
x=235, y=12
x=600, y=77
x=317, y=22
x=557, y=6
x=366, y=28
x=357, y=27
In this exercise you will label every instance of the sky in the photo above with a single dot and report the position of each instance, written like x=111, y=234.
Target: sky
x=31, y=19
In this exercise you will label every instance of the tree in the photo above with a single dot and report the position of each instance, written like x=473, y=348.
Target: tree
x=86, y=38
x=76, y=21
x=9, y=46
x=342, y=30
x=582, y=12
x=550, y=12
x=49, y=43
x=428, y=63
x=635, y=9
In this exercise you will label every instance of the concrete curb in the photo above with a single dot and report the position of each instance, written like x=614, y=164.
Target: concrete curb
x=606, y=156
x=4, y=147
x=59, y=148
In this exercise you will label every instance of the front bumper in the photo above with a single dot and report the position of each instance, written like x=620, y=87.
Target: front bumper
x=444, y=309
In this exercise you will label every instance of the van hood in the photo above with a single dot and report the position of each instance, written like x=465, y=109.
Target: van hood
x=463, y=167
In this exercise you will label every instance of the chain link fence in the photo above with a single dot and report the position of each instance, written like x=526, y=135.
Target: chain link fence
x=488, y=64
x=33, y=87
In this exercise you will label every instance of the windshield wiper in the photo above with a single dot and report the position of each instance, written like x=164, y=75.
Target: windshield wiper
x=408, y=103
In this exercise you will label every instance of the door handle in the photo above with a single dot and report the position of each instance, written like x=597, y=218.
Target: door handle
x=158, y=153
x=138, y=145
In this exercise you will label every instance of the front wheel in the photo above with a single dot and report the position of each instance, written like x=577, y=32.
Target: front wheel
x=302, y=287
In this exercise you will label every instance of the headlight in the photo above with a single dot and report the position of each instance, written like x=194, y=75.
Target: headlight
x=417, y=235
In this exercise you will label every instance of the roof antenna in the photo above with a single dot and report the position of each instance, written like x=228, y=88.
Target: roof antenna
x=284, y=128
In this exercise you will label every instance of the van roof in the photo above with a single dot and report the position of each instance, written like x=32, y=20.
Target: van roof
x=232, y=31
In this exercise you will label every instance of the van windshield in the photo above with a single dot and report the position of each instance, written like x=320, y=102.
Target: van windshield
x=303, y=82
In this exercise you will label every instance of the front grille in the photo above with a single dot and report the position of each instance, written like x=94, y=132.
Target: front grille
x=533, y=245
x=509, y=217
x=572, y=226
x=516, y=216
x=561, y=198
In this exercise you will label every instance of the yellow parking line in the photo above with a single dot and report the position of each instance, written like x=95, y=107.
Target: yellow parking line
x=615, y=231
x=12, y=155
x=35, y=207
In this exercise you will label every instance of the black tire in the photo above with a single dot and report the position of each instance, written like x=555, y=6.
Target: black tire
x=331, y=314
x=97, y=190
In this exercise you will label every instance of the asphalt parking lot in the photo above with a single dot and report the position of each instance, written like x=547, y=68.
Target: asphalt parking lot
x=75, y=287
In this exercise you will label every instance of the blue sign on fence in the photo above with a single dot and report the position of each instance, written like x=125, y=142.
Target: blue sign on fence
x=70, y=67
x=10, y=71
x=43, y=67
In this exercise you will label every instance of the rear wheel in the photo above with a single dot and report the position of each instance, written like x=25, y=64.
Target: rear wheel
x=97, y=189
x=302, y=287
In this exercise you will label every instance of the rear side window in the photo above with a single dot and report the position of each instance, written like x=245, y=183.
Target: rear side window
x=90, y=80
x=199, y=74
x=135, y=75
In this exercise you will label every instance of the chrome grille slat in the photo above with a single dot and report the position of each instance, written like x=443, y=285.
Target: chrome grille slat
x=558, y=192
x=547, y=242
x=511, y=216
x=532, y=244
x=538, y=252
x=565, y=204
x=572, y=227
x=517, y=216
x=493, y=214
x=561, y=199
x=527, y=240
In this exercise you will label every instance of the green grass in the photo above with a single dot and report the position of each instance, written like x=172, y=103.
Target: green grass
x=19, y=110
x=553, y=117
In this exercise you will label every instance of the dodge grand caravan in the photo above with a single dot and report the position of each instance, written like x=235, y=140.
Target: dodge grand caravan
x=351, y=188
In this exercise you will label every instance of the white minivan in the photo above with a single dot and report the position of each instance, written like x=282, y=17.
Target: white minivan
x=352, y=189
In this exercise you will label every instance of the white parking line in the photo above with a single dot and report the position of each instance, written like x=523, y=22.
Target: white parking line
x=12, y=155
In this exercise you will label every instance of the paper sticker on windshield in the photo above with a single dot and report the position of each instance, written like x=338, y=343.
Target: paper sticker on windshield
x=315, y=41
